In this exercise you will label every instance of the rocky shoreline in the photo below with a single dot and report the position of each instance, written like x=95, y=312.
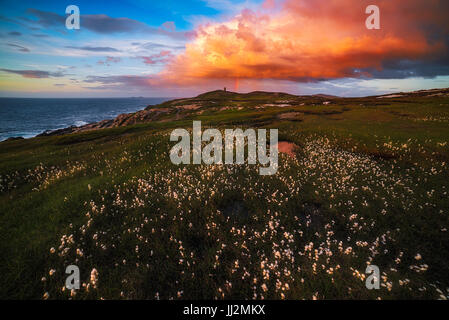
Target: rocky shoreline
x=125, y=119
x=179, y=108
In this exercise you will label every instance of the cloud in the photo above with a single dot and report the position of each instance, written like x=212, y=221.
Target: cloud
x=94, y=49
x=159, y=58
x=14, y=33
x=40, y=35
x=45, y=19
x=169, y=25
x=21, y=48
x=113, y=59
x=118, y=82
x=34, y=74
x=103, y=24
x=9, y=20
x=109, y=60
x=155, y=45
x=318, y=40
x=402, y=69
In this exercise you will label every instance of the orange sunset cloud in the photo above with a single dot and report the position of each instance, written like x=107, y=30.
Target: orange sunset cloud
x=312, y=40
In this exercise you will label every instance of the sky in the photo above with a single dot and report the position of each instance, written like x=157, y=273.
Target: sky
x=183, y=48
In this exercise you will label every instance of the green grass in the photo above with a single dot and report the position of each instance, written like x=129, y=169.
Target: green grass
x=368, y=175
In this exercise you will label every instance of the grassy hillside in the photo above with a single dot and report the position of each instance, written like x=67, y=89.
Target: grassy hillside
x=368, y=185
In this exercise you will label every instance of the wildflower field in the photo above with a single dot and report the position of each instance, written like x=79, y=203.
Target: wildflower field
x=367, y=184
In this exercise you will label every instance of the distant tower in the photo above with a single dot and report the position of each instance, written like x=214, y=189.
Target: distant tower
x=224, y=89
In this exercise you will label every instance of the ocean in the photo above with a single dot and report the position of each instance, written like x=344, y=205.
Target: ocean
x=28, y=117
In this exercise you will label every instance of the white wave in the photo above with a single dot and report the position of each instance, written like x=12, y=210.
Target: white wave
x=80, y=123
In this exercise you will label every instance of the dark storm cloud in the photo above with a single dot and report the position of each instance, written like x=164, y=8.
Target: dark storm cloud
x=403, y=69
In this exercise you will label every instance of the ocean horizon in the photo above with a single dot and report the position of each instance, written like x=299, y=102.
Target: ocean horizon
x=28, y=117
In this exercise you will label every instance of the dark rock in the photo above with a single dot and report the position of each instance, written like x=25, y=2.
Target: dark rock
x=57, y=132
x=14, y=138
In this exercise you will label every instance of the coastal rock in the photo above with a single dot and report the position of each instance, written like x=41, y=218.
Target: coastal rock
x=57, y=132
x=14, y=138
x=221, y=100
x=121, y=120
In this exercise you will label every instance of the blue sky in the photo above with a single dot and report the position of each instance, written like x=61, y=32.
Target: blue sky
x=123, y=47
